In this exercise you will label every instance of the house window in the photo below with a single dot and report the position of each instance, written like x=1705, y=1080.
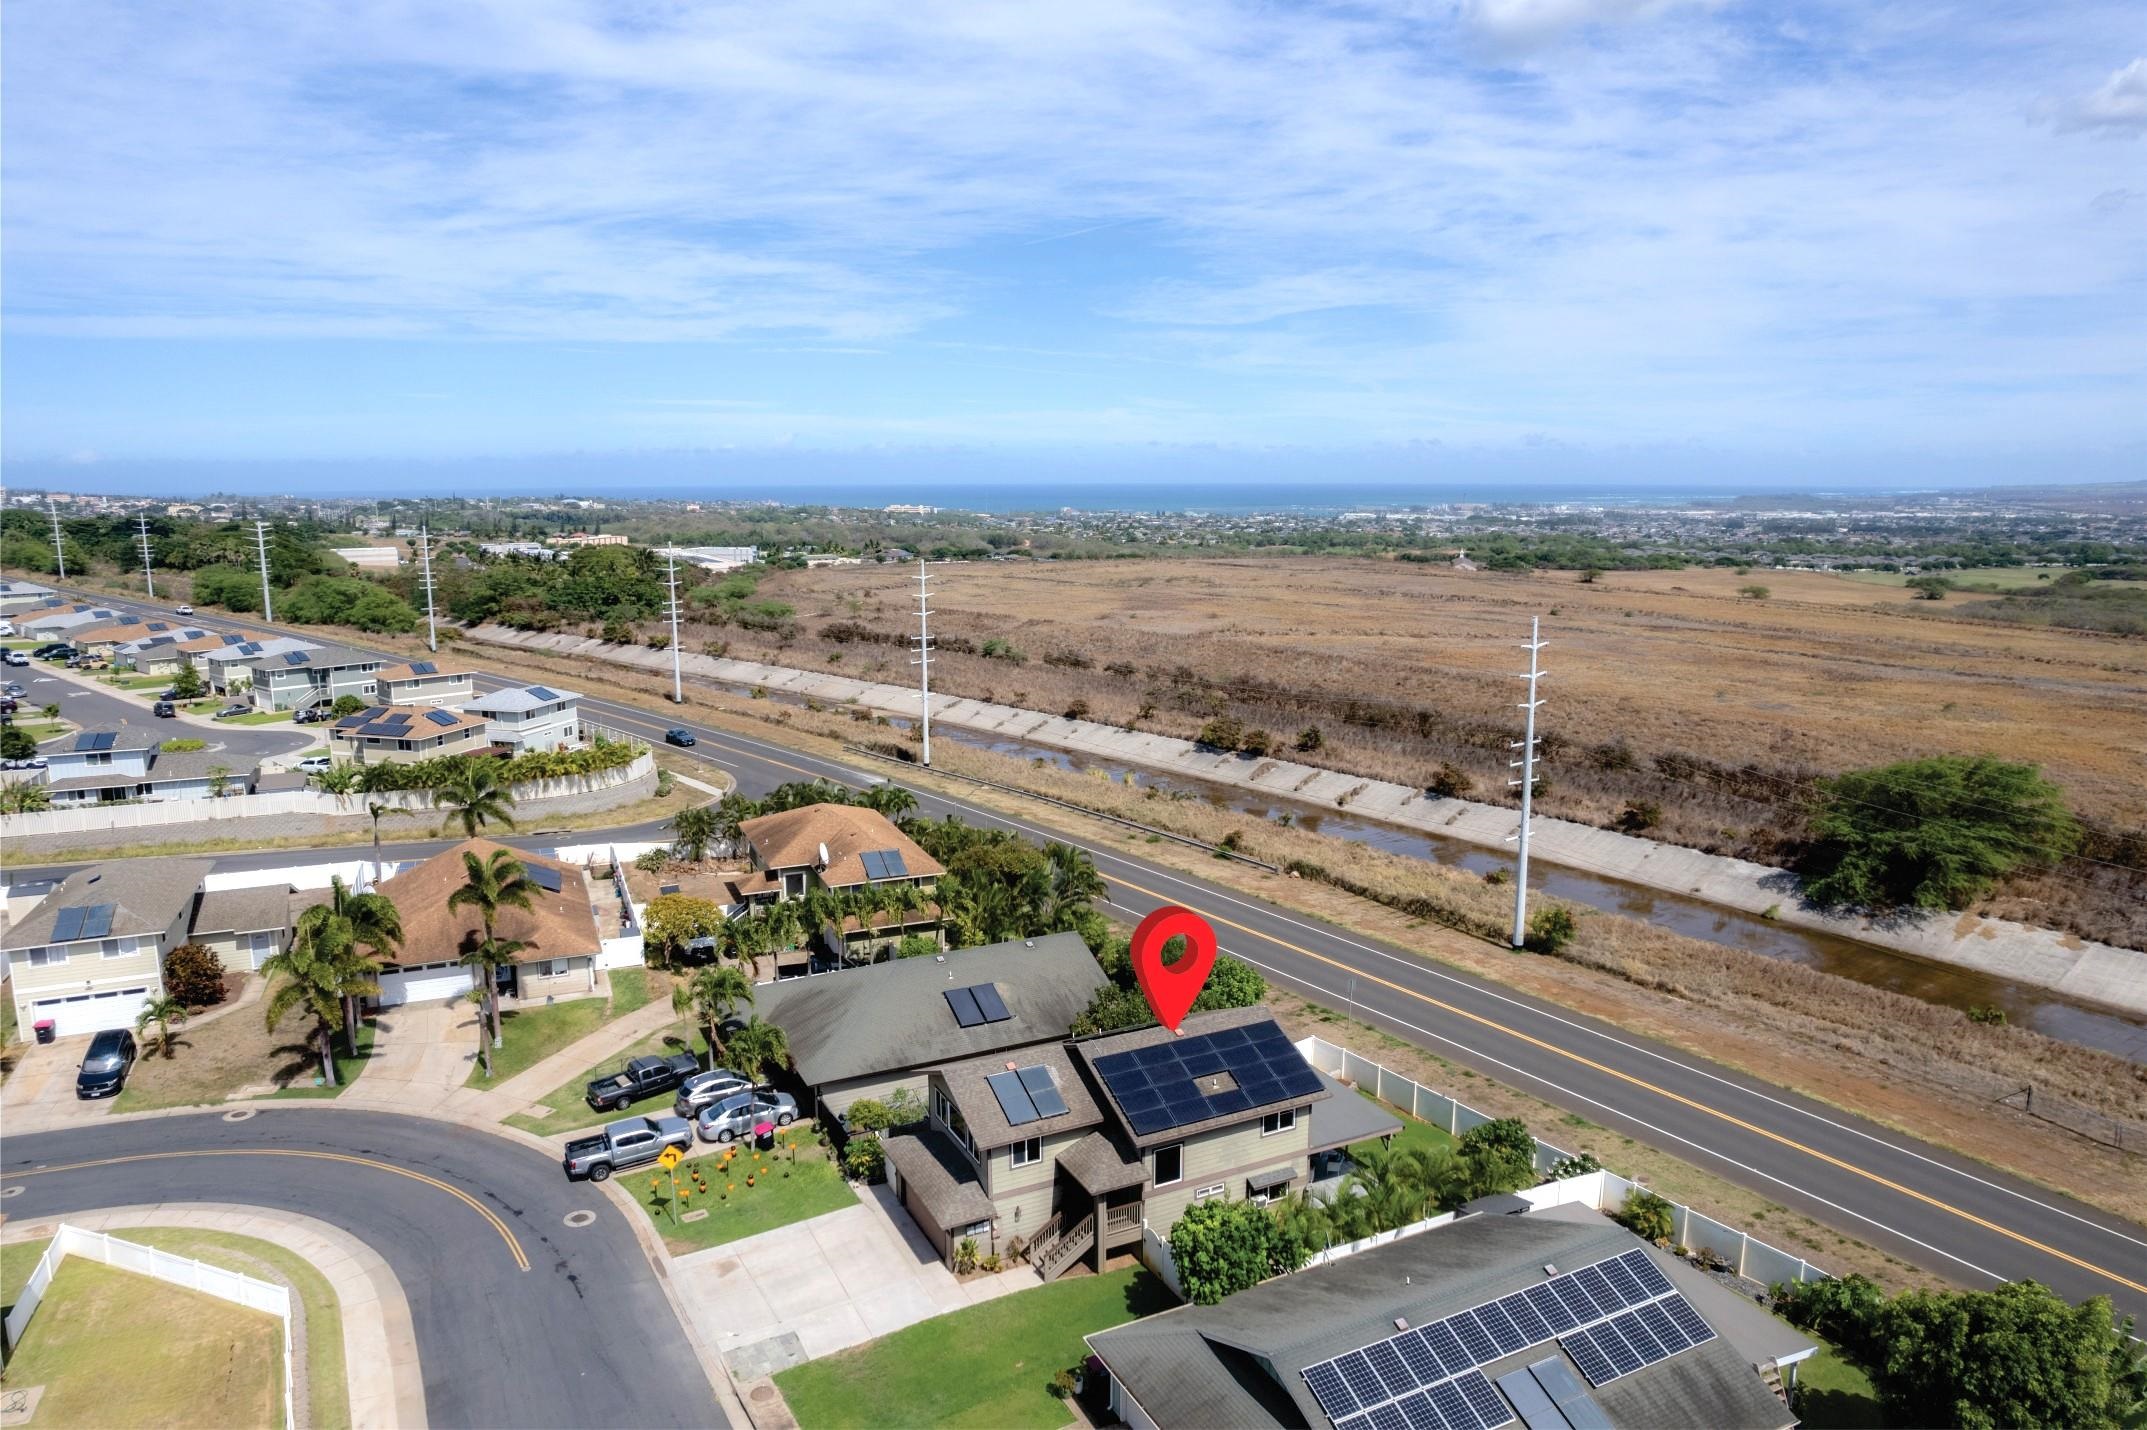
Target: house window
x=102, y=759
x=1209, y=1194
x=1262, y=1196
x=978, y=1228
x=1029, y=1153
x=116, y=947
x=1278, y=1122
x=1170, y=1164
x=556, y=968
x=940, y=1107
x=46, y=957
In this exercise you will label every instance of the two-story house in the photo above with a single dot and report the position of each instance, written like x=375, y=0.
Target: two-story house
x=227, y=668
x=400, y=734
x=53, y=624
x=849, y=849
x=17, y=597
x=91, y=952
x=106, y=639
x=1073, y=1149
x=115, y=763
x=423, y=682
x=530, y=717
x=299, y=679
x=158, y=654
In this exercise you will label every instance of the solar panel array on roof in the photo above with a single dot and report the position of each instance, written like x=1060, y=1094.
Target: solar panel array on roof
x=1613, y=1317
x=83, y=921
x=1014, y=1099
x=544, y=692
x=1158, y=1087
x=543, y=876
x=294, y=657
x=96, y=740
x=159, y=626
x=248, y=647
x=989, y=1003
x=423, y=667
x=67, y=925
x=97, y=920
x=349, y=722
x=1042, y=1091
x=884, y=864
x=964, y=1003
x=441, y=717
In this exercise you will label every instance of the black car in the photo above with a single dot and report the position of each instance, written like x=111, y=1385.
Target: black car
x=311, y=715
x=165, y=710
x=58, y=650
x=641, y=1077
x=679, y=737
x=106, y=1065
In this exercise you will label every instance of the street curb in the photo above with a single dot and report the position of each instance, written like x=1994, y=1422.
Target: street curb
x=369, y=1297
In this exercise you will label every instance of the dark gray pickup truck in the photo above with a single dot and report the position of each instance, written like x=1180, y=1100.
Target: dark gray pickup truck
x=641, y=1077
x=629, y=1142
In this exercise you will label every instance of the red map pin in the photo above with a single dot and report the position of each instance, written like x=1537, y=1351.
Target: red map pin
x=1171, y=988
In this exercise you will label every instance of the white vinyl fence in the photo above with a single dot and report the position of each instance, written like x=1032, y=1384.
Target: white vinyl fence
x=163, y=1266
x=1605, y=1191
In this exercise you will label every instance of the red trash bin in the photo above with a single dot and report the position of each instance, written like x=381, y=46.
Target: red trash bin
x=46, y=1032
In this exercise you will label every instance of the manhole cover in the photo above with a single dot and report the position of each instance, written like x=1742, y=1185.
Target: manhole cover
x=14, y=1191
x=241, y=1114
x=763, y=1393
x=580, y=1218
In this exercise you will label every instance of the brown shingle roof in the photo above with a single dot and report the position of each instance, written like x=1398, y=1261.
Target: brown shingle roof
x=792, y=840
x=979, y=1105
x=934, y=1171
x=1102, y=1166
x=561, y=925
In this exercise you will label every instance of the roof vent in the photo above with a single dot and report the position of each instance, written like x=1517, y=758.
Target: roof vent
x=1550, y=1268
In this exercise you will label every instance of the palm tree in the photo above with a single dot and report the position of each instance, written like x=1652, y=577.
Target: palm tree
x=1074, y=882
x=695, y=827
x=485, y=957
x=349, y=933
x=495, y=882
x=379, y=810
x=474, y=797
x=713, y=993
x=340, y=778
x=756, y=1047
x=730, y=812
x=163, y=1011
x=307, y=979
x=378, y=778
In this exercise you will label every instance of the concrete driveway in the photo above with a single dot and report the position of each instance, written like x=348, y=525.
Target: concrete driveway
x=815, y=1287
x=421, y=1053
x=40, y=1093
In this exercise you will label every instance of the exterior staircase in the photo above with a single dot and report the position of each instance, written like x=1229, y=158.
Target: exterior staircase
x=1064, y=1247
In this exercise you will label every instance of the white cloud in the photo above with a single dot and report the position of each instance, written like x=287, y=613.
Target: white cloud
x=1526, y=24
x=2118, y=106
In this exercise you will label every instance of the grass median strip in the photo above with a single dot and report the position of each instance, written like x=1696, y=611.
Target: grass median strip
x=530, y=1035
x=985, y=1365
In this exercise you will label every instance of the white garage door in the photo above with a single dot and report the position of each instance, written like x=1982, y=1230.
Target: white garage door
x=91, y=1012
x=424, y=982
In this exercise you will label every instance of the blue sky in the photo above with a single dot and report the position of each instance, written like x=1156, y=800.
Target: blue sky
x=1854, y=241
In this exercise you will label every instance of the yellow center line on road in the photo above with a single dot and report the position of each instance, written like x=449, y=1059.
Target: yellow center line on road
x=506, y=1235
x=1645, y=1085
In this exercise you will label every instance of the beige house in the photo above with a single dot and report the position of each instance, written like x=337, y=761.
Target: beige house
x=558, y=933
x=849, y=849
x=401, y=734
x=244, y=928
x=423, y=682
x=1069, y=1151
x=90, y=953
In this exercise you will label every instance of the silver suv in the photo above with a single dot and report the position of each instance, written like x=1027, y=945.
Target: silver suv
x=701, y=1089
x=738, y=1115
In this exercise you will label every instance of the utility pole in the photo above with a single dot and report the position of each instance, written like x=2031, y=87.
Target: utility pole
x=142, y=521
x=1527, y=766
x=923, y=660
x=670, y=561
x=59, y=550
x=260, y=541
x=424, y=558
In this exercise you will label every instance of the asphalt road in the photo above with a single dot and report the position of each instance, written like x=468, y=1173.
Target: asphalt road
x=1929, y=1207
x=91, y=707
x=583, y=1337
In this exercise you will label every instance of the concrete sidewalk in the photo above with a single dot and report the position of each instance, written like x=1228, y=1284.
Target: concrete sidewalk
x=380, y=1356
x=2099, y=973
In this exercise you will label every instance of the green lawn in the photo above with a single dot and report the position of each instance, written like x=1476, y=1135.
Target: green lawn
x=17, y=1260
x=570, y=1112
x=530, y=1035
x=781, y=1191
x=260, y=717
x=104, y=1338
x=43, y=730
x=1415, y=1133
x=1832, y=1394
x=347, y=1068
x=986, y=1365
x=327, y=1380
x=139, y=682
x=629, y=990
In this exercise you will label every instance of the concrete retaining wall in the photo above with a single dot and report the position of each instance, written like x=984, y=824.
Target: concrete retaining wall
x=2045, y=958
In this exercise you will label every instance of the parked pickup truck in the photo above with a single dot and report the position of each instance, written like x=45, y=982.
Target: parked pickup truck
x=642, y=1077
x=624, y=1144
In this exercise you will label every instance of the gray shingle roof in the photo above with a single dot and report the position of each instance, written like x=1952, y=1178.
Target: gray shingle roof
x=979, y=1105
x=148, y=896
x=936, y=1174
x=518, y=698
x=887, y=1017
x=1348, y=1117
x=1099, y=1163
x=1199, y=1365
x=243, y=910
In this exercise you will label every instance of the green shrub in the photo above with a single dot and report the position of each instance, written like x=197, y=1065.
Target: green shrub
x=1551, y=928
x=182, y=744
x=1222, y=1247
x=1648, y=1216
x=1498, y=1156
x=865, y=1159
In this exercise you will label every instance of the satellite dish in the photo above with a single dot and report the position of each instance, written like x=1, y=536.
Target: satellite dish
x=823, y=856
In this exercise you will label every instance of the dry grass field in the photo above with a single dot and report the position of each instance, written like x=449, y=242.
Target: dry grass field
x=1667, y=688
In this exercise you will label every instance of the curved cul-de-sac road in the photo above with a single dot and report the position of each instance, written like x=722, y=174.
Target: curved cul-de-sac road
x=581, y=1336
